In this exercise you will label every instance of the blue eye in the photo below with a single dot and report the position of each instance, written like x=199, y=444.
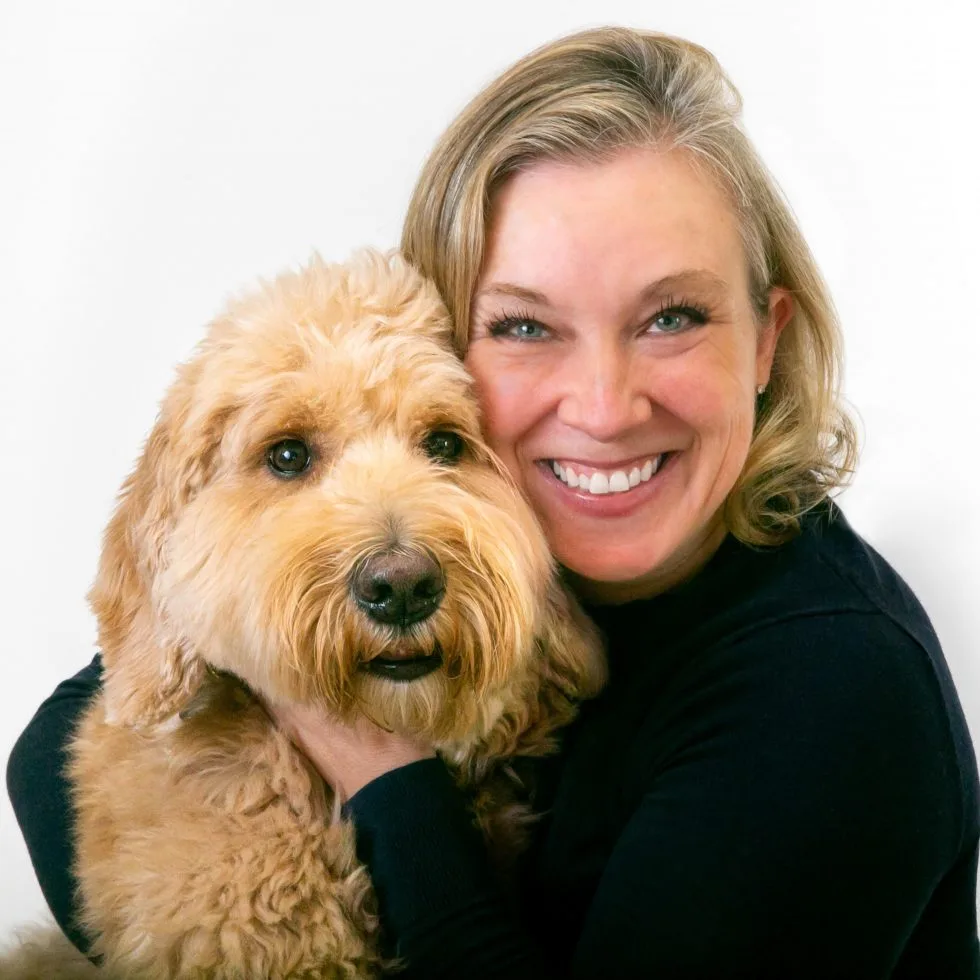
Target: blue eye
x=518, y=328
x=677, y=319
x=528, y=330
x=670, y=322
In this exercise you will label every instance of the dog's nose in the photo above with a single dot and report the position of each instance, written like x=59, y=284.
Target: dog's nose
x=398, y=587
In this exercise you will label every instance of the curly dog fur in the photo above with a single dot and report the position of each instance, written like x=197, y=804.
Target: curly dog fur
x=323, y=423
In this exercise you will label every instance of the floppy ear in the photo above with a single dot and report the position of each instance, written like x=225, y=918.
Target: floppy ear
x=570, y=667
x=150, y=672
x=572, y=657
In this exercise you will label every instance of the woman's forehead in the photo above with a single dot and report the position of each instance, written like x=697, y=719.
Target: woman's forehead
x=637, y=219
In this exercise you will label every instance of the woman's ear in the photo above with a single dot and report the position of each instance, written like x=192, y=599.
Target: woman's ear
x=150, y=671
x=782, y=306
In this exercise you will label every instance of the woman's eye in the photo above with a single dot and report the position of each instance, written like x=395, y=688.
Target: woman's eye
x=443, y=446
x=288, y=458
x=677, y=319
x=519, y=328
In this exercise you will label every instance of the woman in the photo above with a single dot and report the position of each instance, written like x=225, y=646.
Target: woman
x=778, y=780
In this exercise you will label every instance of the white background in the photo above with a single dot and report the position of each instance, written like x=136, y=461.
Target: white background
x=156, y=156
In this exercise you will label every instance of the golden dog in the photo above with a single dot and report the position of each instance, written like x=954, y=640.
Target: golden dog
x=315, y=518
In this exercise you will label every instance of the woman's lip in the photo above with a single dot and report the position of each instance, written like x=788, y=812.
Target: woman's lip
x=607, y=504
x=592, y=464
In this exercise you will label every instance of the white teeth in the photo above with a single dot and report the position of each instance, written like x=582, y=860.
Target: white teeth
x=599, y=483
x=602, y=483
x=619, y=482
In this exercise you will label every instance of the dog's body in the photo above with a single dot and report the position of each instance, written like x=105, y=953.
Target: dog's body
x=210, y=850
x=315, y=518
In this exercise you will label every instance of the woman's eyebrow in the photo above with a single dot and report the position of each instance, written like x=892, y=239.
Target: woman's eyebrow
x=518, y=292
x=685, y=279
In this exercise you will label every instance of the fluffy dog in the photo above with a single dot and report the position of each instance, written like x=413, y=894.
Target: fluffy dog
x=315, y=518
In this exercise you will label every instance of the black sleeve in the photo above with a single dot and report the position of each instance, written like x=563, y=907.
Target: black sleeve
x=441, y=907
x=811, y=807
x=39, y=793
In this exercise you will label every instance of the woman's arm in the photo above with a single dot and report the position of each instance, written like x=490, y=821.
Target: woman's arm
x=39, y=792
x=415, y=833
x=440, y=904
x=814, y=820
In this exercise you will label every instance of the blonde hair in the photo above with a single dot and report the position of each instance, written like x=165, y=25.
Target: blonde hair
x=586, y=96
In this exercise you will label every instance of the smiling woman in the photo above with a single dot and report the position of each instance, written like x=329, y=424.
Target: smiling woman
x=778, y=780
x=658, y=362
x=614, y=296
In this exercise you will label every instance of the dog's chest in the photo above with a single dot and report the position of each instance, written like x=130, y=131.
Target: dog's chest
x=213, y=849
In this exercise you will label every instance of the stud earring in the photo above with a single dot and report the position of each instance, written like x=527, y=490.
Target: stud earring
x=760, y=389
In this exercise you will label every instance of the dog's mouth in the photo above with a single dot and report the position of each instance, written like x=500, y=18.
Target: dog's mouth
x=407, y=665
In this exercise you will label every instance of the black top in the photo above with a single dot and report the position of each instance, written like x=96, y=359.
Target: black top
x=777, y=782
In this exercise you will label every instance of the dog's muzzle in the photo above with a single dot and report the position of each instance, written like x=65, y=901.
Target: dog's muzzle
x=398, y=588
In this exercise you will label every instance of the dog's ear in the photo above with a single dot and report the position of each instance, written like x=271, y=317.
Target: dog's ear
x=150, y=673
x=572, y=656
x=571, y=667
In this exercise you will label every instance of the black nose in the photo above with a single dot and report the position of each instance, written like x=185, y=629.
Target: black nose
x=398, y=587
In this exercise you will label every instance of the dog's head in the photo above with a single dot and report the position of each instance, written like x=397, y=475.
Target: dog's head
x=316, y=512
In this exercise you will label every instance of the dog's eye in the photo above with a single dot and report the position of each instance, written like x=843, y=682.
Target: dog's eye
x=290, y=457
x=445, y=447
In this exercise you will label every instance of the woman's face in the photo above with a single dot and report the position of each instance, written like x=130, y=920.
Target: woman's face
x=617, y=355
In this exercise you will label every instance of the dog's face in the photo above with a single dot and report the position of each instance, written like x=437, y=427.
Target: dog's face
x=317, y=513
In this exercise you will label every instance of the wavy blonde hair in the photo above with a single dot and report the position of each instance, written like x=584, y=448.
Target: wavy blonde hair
x=587, y=96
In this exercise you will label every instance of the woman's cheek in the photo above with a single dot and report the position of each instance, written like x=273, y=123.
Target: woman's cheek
x=508, y=399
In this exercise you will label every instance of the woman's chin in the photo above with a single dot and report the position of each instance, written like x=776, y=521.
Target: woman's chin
x=601, y=572
x=595, y=574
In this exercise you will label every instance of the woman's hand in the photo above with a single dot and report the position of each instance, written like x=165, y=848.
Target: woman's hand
x=347, y=756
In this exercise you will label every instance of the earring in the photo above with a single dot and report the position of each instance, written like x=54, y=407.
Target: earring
x=760, y=389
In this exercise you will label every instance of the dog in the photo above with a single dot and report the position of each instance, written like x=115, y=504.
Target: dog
x=315, y=518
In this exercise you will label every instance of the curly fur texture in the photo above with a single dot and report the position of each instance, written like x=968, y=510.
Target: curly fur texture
x=207, y=847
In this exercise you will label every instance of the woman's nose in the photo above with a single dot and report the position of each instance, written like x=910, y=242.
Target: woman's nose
x=602, y=395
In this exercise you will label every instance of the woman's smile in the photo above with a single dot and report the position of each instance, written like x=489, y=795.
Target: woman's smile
x=604, y=492
x=619, y=478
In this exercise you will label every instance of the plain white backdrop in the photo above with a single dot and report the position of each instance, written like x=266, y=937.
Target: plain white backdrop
x=156, y=156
